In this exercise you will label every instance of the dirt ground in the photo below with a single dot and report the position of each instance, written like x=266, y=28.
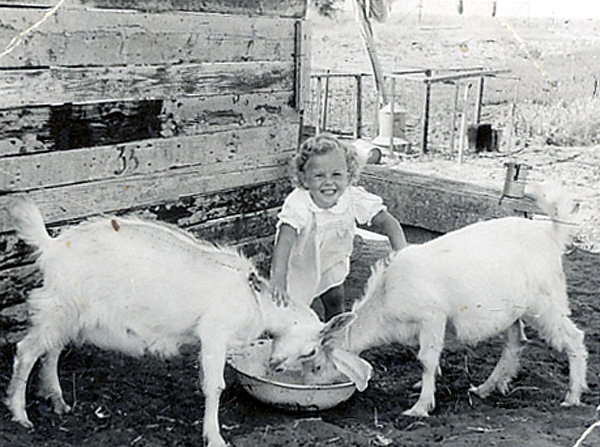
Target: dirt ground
x=148, y=402
x=121, y=401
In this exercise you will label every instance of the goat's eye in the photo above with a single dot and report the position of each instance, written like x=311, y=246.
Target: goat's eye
x=310, y=354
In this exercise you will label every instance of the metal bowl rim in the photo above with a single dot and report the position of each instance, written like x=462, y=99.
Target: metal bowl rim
x=293, y=386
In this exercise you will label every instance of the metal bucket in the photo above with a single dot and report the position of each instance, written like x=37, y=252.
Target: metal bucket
x=516, y=178
x=392, y=129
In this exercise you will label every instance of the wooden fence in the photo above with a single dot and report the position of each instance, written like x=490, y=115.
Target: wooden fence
x=178, y=110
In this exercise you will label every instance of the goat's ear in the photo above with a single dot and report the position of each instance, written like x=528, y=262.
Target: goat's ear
x=356, y=368
x=335, y=325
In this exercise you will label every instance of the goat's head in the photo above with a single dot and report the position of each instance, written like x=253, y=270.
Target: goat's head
x=333, y=363
x=297, y=340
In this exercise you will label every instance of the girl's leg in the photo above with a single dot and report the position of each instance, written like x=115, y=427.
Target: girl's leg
x=333, y=301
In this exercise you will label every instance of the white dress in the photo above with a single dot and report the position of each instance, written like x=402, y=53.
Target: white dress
x=320, y=259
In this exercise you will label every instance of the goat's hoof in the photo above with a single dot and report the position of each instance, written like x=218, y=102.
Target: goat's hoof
x=571, y=400
x=416, y=413
x=568, y=403
x=61, y=408
x=503, y=388
x=215, y=441
x=25, y=422
x=479, y=391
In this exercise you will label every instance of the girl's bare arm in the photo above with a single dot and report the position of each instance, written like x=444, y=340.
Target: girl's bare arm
x=279, y=263
x=386, y=224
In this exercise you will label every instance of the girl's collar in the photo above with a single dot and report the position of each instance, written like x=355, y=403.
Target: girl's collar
x=340, y=207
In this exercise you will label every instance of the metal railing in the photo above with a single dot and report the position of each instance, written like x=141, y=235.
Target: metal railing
x=421, y=79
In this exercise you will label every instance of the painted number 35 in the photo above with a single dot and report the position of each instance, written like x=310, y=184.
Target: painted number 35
x=128, y=161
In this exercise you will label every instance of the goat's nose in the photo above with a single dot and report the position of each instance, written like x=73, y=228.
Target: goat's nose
x=275, y=365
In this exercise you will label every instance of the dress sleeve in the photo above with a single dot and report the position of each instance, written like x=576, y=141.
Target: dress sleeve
x=294, y=212
x=366, y=205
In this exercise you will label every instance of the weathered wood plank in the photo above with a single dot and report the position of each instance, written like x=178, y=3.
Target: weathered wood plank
x=14, y=284
x=13, y=252
x=278, y=8
x=59, y=85
x=50, y=169
x=70, y=126
x=105, y=196
x=260, y=250
x=281, y=8
x=437, y=204
x=232, y=229
x=13, y=281
x=103, y=37
x=26, y=130
x=303, y=54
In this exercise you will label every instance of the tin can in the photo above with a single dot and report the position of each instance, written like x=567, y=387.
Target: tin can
x=516, y=179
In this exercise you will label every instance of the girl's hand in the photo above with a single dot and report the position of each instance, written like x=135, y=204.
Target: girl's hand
x=279, y=294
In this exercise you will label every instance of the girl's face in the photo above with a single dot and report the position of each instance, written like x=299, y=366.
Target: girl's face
x=325, y=176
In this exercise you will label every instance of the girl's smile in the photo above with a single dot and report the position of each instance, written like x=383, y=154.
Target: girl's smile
x=325, y=176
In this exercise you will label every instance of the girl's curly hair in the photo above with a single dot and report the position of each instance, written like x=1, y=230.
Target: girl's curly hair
x=322, y=144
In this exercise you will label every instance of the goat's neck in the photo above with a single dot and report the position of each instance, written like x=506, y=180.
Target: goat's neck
x=368, y=330
x=276, y=319
x=360, y=337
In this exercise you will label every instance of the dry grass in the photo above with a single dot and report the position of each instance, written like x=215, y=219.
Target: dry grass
x=563, y=121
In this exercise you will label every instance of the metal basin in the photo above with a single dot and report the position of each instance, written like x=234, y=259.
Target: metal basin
x=283, y=390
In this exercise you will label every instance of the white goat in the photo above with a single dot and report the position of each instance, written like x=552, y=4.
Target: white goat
x=138, y=287
x=482, y=280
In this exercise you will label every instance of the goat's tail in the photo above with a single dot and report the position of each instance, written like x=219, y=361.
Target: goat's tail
x=554, y=201
x=29, y=223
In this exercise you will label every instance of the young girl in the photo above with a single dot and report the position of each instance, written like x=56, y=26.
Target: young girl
x=315, y=231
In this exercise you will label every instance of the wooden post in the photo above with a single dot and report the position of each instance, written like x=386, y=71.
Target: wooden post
x=318, y=101
x=454, y=111
x=426, y=113
x=463, y=123
x=513, y=113
x=298, y=65
x=302, y=48
x=358, y=126
x=325, y=102
x=479, y=102
x=378, y=106
x=392, y=101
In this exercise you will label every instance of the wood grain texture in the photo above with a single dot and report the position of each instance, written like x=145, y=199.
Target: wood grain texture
x=34, y=129
x=278, y=8
x=106, y=196
x=51, y=169
x=76, y=37
x=181, y=111
x=58, y=85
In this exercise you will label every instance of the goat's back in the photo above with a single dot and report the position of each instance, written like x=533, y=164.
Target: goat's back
x=137, y=286
x=482, y=277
